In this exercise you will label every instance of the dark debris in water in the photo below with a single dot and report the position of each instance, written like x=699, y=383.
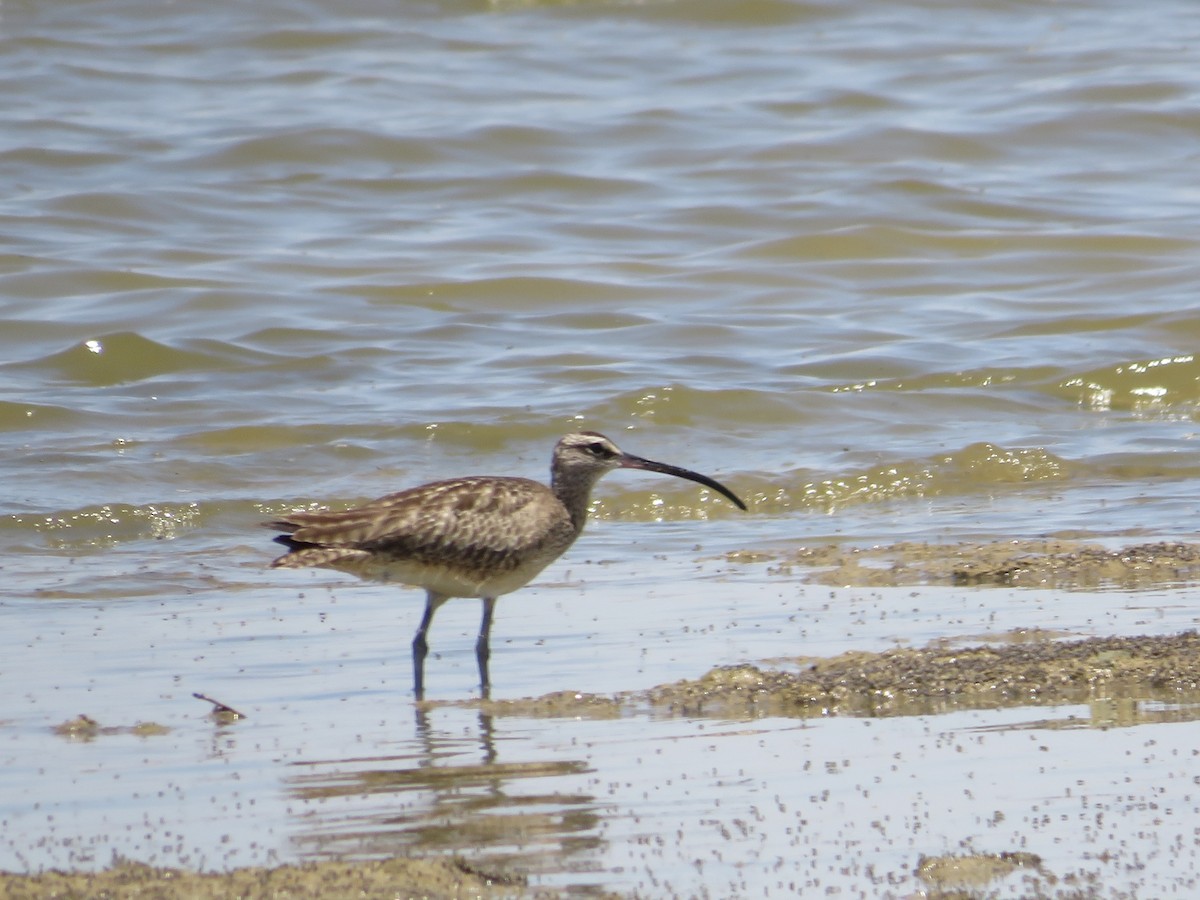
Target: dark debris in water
x=223, y=713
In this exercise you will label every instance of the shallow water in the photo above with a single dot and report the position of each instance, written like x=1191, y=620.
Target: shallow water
x=893, y=272
x=334, y=761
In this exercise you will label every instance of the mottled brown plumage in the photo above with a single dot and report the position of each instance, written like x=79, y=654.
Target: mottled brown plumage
x=478, y=536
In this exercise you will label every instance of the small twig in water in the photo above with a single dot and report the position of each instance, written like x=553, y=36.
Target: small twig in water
x=220, y=709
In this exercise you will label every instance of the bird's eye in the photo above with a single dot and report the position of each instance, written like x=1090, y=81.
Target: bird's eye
x=598, y=450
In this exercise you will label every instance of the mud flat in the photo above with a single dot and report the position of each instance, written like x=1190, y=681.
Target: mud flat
x=1021, y=667
x=941, y=678
x=1048, y=563
x=389, y=878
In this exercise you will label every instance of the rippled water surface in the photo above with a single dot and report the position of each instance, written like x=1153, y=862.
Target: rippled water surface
x=892, y=271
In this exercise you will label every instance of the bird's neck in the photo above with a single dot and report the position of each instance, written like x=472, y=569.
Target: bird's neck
x=575, y=494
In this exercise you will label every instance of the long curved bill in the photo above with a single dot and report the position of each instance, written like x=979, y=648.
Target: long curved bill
x=628, y=461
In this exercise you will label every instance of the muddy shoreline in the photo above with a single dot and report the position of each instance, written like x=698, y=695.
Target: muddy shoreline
x=1016, y=668
x=943, y=678
x=1070, y=565
x=370, y=879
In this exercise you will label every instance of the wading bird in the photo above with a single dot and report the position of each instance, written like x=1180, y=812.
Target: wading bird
x=478, y=536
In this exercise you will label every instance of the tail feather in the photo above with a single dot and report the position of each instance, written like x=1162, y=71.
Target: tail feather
x=302, y=556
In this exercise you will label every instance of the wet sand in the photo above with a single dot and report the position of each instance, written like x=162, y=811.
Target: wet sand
x=1022, y=667
x=388, y=878
x=1065, y=564
x=939, y=679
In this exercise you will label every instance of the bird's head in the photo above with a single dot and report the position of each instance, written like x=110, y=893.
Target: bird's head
x=583, y=457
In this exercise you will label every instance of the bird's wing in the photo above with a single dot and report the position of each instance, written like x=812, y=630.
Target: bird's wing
x=463, y=516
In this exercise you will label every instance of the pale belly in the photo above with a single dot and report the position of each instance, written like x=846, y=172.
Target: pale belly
x=448, y=580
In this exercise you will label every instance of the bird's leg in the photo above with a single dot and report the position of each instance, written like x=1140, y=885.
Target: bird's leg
x=420, y=647
x=482, y=648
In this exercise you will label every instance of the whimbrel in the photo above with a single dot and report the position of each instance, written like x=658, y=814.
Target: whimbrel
x=479, y=536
